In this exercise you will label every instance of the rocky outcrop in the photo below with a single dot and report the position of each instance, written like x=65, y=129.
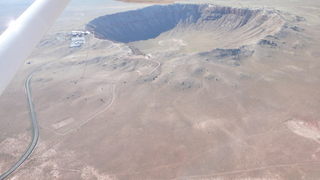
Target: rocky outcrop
x=226, y=56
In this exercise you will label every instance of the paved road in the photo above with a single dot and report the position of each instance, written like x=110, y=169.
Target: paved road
x=33, y=119
x=35, y=130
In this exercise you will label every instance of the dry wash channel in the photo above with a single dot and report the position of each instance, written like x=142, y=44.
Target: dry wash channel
x=191, y=27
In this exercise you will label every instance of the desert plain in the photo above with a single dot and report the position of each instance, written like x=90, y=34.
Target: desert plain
x=231, y=94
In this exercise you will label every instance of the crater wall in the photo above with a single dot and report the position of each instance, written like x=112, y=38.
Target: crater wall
x=142, y=24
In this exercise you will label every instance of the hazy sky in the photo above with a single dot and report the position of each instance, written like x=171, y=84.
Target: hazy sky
x=12, y=9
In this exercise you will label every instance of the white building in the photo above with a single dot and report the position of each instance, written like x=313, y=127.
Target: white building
x=77, y=41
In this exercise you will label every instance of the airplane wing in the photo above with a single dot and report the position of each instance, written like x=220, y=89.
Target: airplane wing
x=18, y=41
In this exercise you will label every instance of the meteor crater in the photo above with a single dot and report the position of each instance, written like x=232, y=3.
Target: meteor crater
x=193, y=27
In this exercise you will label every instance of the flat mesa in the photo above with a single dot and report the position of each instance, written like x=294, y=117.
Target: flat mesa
x=181, y=91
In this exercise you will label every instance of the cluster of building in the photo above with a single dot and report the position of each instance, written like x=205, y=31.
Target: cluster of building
x=79, y=33
x=78, y=38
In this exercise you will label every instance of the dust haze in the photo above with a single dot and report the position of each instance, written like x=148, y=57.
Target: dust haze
x=190, y=90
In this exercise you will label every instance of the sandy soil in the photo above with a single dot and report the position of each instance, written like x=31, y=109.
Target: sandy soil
x=106, y=112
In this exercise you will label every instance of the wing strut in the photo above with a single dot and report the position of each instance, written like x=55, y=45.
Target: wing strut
x=18, y=41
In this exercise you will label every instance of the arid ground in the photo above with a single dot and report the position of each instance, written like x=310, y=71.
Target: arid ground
x=191, y=103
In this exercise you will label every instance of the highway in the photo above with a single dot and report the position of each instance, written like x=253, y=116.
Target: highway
x=35, y=126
